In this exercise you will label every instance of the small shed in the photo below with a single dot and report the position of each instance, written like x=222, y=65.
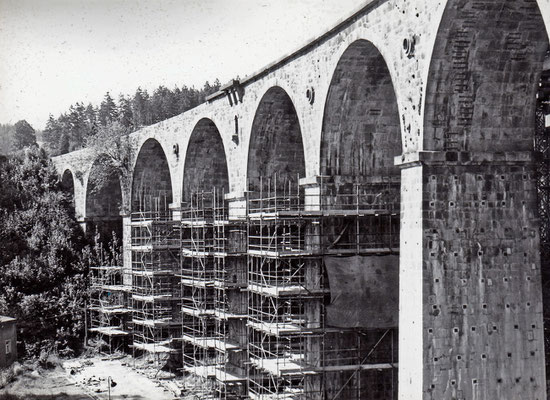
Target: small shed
x=8, y=341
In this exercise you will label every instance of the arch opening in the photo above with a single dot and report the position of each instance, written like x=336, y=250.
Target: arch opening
x=67, y=184
x=361, y=135
x=205, y=162
x=483, y=77
x=361, y=132
x=104, y=201
x=151, y=182
x=276, y=152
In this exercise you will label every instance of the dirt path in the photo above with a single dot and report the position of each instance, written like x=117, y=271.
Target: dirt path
x=87, y=378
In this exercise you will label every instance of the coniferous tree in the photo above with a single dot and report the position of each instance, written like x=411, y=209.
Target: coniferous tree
x=125, y=114
x=71, y=130
x=24, y=135
x=107, y=110
x=141, y=109
x=91, y=119
x=78, y=129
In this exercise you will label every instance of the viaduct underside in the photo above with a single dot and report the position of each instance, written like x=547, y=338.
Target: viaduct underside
x=366, y=218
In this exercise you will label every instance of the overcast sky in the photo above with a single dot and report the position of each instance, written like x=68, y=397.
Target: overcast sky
x=54, y=53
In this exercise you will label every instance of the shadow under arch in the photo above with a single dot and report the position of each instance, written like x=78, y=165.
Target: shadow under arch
x=104, y=200
x=151, y=181
x=276, y=150
x=67, y=184
x=361, y=131
x=483, y=77
x=205, y=167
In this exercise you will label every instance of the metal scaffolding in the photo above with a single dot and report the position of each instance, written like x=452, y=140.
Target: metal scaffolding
x=542, y=147
x=197, y=286
x=155, y=295
x=108, y=308
x=230, y=297
x=294, y=353
x=213, y=290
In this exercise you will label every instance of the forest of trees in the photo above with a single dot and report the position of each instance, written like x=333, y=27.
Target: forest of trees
x=71, y=129
x=44, y=255
x=16, y=137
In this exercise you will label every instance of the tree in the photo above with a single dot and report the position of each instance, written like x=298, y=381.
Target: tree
x=44, y=257
x=112, y=148
x=51, y=136
x=91, y=119
x=141, y=109
x=125, y=114
x=107, y=110
x=77, y=126
x=24, y=135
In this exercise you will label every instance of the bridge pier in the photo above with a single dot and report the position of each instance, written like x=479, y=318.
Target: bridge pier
x=471, y=321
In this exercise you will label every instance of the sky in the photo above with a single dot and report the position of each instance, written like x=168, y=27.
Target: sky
x=54, y=53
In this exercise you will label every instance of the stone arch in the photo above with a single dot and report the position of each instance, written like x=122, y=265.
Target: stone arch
x=205, y=165
x=361, y=133
x=360, y=136
x=276, y=148
x=151, y=181
x=104, y=200
x=67, y=182
x=483, y=76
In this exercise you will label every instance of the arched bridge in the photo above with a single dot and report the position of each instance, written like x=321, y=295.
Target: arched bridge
x=440, y=96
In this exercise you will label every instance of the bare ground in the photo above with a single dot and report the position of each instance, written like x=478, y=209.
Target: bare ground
x=88, y=377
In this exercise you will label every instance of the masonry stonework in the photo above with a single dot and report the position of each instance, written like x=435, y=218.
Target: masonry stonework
x=458, y=82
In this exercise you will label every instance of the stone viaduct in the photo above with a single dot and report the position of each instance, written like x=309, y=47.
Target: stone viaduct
x=440, y=93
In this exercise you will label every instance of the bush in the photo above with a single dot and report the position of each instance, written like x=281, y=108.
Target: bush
x=44, y=256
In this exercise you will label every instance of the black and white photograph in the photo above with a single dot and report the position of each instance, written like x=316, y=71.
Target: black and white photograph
x=275, y=199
